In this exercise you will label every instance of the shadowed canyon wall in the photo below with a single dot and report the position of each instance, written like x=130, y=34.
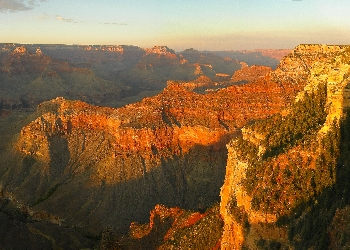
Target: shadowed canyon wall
x=93, y=166
x=110, y=75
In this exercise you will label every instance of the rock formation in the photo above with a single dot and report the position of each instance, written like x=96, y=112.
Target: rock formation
x=103, y=75
x=170, y=228
x=282, y=173
x=274, y=53
x=115, y=165
x=283, y=139
x=248, y=74
x=262, y=57
x=29, y=76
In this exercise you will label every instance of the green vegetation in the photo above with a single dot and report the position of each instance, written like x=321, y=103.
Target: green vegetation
x=306, y=117
x=310, y=228
x=238, y=213
x=297, y=181
x=300, y=178
x=295, y=166
x=310, y=221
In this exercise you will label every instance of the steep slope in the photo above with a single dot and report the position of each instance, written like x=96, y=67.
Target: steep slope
x=20, y=228
x=262, y=57
x=170, y=228
x=28, y=78
x=105, y=75
x=274, y=53
x=248, y=74
x=95, y=167
x=282, y=174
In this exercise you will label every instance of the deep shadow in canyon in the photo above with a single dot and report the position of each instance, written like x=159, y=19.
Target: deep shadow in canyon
x=191, y=181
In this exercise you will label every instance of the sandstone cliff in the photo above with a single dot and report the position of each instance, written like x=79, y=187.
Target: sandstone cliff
x=248, y=74
x=93, y=166
x=28, y=76
x=282, y=173
x=170, y=228
x=101, y=75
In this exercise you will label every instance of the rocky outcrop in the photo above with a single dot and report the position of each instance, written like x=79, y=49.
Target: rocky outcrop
x=248, y=74
x=115, y=165
x=170, y=228
x=284, y=163
x=98, y=74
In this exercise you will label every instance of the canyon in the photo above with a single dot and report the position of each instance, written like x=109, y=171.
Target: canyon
x=162, y=150
x=108, y=75
x=283, y=172
x=91, y=167
x=257, y=161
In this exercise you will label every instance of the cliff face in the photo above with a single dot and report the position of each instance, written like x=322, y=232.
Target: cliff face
x=274, y=53
x=262, y=57
x=115, y=165
x=28, y=76
x=248, y=74
x=108, y=75
x=288, y=165
x=170, y=228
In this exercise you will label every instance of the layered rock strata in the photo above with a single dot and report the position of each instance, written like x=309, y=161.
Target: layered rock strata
x=277, y=166
x=93, y=166
x=248, y=74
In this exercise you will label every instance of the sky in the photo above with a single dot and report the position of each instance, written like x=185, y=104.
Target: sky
x=178, y=24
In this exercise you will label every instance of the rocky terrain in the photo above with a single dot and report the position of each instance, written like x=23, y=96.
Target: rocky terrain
x=287, y=175
x=273, y=53
x=29, y=77
x=108, y=75
x=96, y=167
x=263, y=57
x=102, y=75
x=248, y=74
x=170, y=228
x=278, y=146
x=286, y=183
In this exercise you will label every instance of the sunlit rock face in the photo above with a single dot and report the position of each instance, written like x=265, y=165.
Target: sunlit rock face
x=109, y=75
x=282, y=170
x=248, y=74
x=97, y=166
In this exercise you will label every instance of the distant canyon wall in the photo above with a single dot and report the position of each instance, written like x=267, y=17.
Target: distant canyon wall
x=94, y=167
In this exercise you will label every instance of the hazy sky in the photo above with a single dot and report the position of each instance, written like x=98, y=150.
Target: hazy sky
x=179, y=24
